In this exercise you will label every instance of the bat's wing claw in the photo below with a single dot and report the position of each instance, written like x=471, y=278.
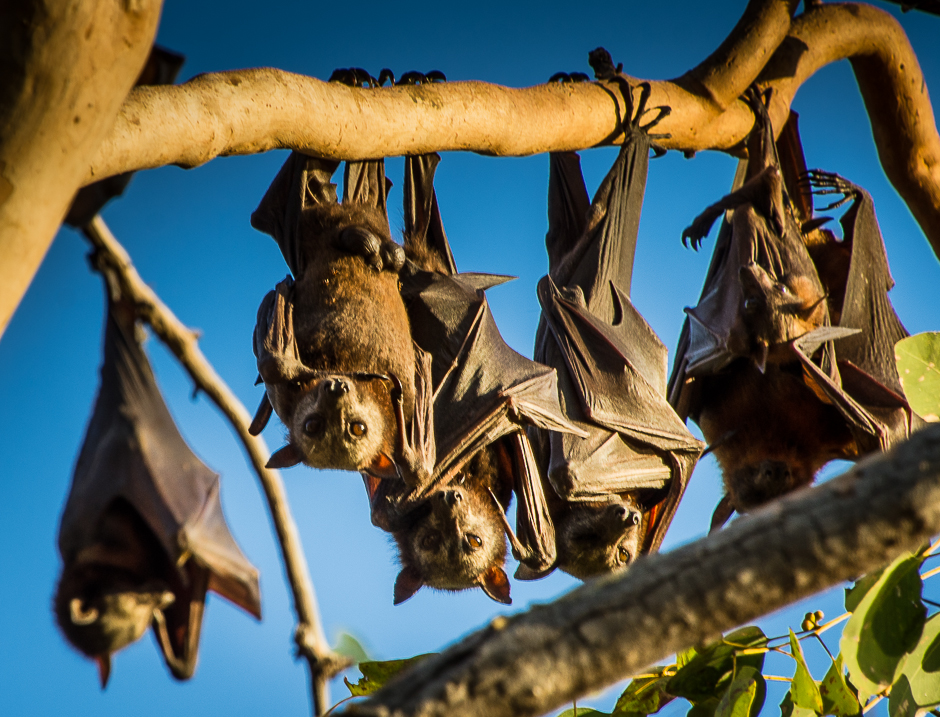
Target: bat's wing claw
x=603, y=64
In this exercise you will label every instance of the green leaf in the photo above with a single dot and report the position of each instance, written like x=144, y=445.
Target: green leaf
x=744, y=696
x=837, y=697
x=644, y=695
x=803, y=689
x=350, y=647
x=788, y=709
x=685, y=657
x=854, y=594
x=376, y=674
x=707, y=674
x=918, y=685
x=886, y=624
x=918, y=359
x=705, y=708
x=582, y=712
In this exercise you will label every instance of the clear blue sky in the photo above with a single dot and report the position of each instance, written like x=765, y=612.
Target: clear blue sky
x=189, y=236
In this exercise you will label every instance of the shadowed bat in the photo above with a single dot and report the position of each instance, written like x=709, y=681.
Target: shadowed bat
x=142, y=536
x=787, y=362
x=476, y=396
x=615, y=491
x=329, y=339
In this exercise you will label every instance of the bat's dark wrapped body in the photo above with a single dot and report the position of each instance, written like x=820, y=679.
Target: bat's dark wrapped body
x=480, y=395
x=788, y=362
x=142, y=536
x=615, y=491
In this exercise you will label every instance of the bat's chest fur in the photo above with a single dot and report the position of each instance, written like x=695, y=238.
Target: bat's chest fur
x=349, y=317
x=772, y=432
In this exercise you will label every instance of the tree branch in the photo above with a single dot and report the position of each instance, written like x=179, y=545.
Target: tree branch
x=612, y=628
x=65, y=68
x=311, y=642
x=249, y=111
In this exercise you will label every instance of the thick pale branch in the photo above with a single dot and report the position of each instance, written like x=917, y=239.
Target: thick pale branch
x=65, y=68
x=311, y=641
x=609, y=629
x=252, y=111
x=249, y=111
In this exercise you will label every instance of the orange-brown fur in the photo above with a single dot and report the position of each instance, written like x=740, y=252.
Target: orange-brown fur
x=757, y=421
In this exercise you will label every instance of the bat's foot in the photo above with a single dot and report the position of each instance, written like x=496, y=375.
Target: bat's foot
x=568, y=77
x=354, y=77
x=821, y=183
x=421, y=78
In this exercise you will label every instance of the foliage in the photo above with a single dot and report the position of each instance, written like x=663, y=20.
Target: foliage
x=918, y=359
x=889, y=648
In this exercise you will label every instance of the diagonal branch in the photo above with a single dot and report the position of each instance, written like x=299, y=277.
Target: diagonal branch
x=311, y=642
x=610, y=629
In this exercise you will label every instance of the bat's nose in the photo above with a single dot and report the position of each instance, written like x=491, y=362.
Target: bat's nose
x=336, y=387
x=452, y=498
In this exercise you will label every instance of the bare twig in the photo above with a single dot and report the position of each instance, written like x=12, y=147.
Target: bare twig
x=311, y=642
x=613, y=627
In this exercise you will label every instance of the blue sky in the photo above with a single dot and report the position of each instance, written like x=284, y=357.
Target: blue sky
x=188, y=233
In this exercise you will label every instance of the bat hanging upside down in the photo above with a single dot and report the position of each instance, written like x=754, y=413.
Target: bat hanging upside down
x=787, y=362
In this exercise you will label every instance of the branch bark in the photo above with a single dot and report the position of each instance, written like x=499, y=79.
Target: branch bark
x=249, y=111
x=607, y=630
x=65, y=68
x=309, y=637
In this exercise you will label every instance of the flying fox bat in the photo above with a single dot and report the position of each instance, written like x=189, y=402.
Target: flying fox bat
x=614, y=492
x=330, y=336
x=142, y=536
x=787, y=362
x=468, y=443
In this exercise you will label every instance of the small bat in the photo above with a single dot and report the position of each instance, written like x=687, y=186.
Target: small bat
x=477, y=396
x=613, y=493
x=142, y=536
x=787, y=362
x=329, y=339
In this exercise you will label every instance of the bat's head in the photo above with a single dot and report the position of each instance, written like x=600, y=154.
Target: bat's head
x=102, y=610
x=456, y=539
x=110, y=589
x=778, y=310
x=340, y=422
x=754, y=484
x=599, y=538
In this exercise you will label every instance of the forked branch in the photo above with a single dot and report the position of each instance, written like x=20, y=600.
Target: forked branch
x=612, y=628
x=111, y=257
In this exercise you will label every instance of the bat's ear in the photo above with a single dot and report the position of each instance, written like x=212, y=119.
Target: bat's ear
x=104, y=668
x=407, y=584
x=285, y=457
x=524, y=572
x=495, y=583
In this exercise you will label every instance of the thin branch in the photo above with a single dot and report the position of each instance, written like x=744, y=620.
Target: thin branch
x=611, y=628
x=311, y=642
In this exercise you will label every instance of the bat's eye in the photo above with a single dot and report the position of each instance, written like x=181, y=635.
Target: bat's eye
x=474, y=541
x=783, y=289
x=312, y=426
x=357, y=429
x=623, y=555
x=751, y=304
x=460, y=478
